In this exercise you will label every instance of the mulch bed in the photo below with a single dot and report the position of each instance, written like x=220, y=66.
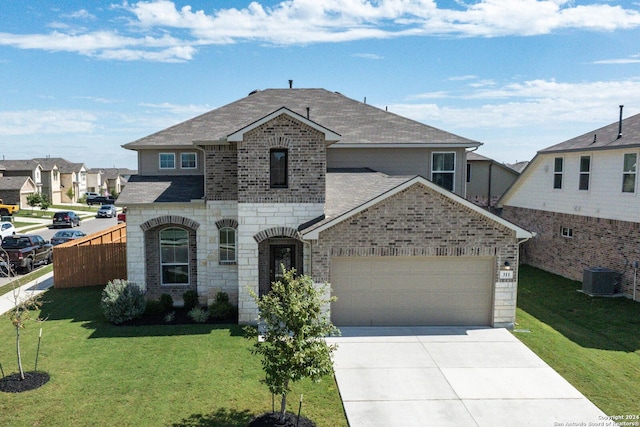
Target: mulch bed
x=32, y=380
x=180, y=317
x=272, y=419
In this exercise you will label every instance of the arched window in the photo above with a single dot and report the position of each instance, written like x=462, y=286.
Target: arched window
x=227, y=245
x=174, y=256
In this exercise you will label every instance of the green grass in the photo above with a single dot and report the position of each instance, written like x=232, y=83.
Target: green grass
x=594, y=343
x=101, y=374
x=23, y=280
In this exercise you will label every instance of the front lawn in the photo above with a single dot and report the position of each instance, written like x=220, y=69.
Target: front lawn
x=593, y=342
x=166, y=375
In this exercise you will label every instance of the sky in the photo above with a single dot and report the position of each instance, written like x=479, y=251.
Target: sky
x=78, y=79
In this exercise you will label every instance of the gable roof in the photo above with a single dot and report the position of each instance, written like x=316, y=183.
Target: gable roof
x=14, y=182
x=356, y=122
x=349, y=192
x=603, y=138
x=20, y=165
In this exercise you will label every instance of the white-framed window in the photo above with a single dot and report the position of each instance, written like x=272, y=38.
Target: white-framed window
x=443, y=168
x=227, y=245
x=558, y=169
x=167, y=160
x=566, y=232
x=629, y=173
x=174, y=256
x=188, y=161
x=585, y=172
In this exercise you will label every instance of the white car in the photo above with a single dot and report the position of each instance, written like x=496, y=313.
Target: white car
x=6, y=229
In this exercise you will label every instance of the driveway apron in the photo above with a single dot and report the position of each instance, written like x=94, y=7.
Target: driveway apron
x=451, y=376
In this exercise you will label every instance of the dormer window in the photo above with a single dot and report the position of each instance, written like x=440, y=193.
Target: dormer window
x=278, y=167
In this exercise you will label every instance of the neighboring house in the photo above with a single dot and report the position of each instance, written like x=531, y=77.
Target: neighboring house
x=116, y=178
x=29, y=168
x=518, y=166
x=342, y=191
x=96, y=182
x=72, y=178
x=14, y=190
x=581, y=198
x=51, y=185
x=487, y=180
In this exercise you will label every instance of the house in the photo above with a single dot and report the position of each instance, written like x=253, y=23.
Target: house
x=29, y=168
x=14, y=190
x=581, y=199
x=95, y=181
x=366, y=200
x=72, y=178
x=487, y=179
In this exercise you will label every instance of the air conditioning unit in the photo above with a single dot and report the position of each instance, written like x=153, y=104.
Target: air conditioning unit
x=599, y=281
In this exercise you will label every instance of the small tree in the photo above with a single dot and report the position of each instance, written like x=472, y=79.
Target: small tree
x=70, y=193
x=45, y=203
x=34, y=199
x=294, y=346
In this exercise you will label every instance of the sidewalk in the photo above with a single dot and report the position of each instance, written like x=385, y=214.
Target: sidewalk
x=41, y=284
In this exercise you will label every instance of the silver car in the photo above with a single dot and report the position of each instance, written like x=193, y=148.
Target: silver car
x=107, y=211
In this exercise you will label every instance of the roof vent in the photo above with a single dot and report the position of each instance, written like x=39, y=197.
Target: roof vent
x=290, y=84
x=620, y=123
x=254, y=92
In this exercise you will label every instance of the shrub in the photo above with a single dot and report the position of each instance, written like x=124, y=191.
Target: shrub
x=190, y=299
x=222, y=309
x=166, y=301
x=198, y=314
x=153, y=307
x=122, y=301
x=170, y=317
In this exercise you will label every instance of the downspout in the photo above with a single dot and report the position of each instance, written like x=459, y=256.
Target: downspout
x=489, y=189
x=204, y=169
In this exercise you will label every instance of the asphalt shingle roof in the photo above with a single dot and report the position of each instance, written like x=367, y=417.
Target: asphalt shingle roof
x=356, y=122
x=12, y=182
x=603, y=138
x=151, y=189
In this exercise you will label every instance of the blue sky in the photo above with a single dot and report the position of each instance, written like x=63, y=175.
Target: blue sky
x=78, y=79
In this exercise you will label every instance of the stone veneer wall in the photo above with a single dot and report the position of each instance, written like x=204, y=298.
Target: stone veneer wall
x=254, y=218
x=421, y=222
x=212, y=277
x=596, y=242
x=306, y=163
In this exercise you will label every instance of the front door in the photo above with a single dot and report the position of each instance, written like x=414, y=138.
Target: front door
x=281, y=255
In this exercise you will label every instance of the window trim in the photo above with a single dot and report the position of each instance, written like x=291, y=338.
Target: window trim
x=566, y=232
x=173, y=156
x=162, y=264
x=235, y=246
x=195, y=160
x=452, y=172
x=582, y=173
x=286, y=168
x=558, y=173
x=633, y=173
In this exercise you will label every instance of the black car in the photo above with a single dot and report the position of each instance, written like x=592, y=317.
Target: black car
x=100, y=200
x=66, y=219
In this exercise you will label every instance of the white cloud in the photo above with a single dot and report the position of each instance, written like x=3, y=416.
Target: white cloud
x=295, y=22
x=367, y=56
x=37, y=122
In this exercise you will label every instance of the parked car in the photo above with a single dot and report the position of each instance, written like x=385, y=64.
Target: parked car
x=106, y=211
x=122, y=217
x=63, y=236
x=90, y=195
x=66, y=219
x=100, y=200
x=6, y=229
x=25, y=251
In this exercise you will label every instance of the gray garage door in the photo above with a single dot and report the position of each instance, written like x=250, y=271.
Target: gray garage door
x=397, y=291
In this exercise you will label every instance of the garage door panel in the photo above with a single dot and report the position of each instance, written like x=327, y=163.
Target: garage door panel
x=412, y=291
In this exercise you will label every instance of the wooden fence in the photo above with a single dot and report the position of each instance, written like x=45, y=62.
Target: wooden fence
x=92, y=260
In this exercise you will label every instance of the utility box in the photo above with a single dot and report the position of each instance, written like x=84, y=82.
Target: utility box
x=599, y=281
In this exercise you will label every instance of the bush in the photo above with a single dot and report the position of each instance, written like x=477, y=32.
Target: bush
x=122, y=301
x=153, y=307
x=190, y=299
x=167, y=302
x=198, y=314
x=222, y=309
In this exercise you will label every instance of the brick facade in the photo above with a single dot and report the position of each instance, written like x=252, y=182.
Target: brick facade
x=221, y=179
x=595, y=242
x=306, y=169
x=421, y=222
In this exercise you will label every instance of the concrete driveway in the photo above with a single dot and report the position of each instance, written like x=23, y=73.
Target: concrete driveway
x=451, y=376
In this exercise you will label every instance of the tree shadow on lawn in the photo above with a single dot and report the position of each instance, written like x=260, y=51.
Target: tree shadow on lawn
x=595, y=322
x=223, y=417
x=83, y=305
